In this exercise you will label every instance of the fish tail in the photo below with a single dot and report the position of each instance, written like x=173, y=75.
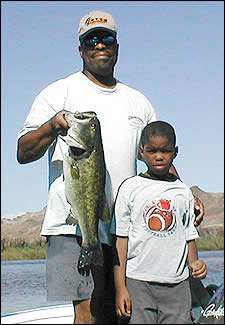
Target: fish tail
x=89, y=256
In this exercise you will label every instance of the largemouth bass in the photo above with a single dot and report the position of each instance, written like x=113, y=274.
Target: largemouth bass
x=84, y=176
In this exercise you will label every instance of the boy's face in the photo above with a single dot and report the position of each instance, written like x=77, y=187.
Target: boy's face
x=158, y=154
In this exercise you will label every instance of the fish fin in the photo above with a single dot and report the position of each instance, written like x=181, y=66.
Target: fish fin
x=71, y=219
x=106, y=213
x=74, y=171
x=85, y=261
x=89, y=256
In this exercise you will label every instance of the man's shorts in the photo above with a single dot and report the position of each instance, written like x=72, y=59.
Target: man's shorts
x=63, y=280
x=155, y=303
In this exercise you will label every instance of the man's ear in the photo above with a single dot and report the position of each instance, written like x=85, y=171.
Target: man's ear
x=81, y=51
x=140, y=153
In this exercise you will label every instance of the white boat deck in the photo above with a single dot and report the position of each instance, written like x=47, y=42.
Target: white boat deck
x=59, y=314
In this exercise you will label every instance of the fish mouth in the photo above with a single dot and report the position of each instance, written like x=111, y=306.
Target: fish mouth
x=84, y=115
x=77, y=150
x=72, y=142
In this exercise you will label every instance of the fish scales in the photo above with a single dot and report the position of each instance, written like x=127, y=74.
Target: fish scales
x=84, y=176
x=86, y=195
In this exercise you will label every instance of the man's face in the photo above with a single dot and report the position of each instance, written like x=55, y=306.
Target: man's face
x=99, y=51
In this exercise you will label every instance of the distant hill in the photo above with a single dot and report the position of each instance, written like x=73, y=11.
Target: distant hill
x=26, y=227
x=213, y=222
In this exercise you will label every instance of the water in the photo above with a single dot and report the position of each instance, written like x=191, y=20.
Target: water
x=23, y=282
x=215, y=262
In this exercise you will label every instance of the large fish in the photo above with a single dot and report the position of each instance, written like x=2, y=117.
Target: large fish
x=84, y=176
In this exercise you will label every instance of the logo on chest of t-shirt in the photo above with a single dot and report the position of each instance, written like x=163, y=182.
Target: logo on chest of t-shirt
x=159, y=217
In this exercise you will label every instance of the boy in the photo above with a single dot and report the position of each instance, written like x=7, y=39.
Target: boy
x=155, y=237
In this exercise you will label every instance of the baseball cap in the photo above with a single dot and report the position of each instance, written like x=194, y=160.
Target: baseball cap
x=96, y=20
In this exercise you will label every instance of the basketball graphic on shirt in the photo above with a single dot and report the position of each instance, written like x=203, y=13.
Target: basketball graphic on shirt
x=160, y=216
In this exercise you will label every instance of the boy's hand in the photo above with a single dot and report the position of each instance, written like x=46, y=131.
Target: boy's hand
x=199, y=269
x=123, y=303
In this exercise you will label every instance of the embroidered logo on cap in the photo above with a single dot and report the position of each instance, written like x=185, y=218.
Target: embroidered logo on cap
x=96, y=20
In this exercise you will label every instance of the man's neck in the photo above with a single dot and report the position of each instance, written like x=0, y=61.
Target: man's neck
x=107, y=81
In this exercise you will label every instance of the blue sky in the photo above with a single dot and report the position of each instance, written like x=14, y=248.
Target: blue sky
x=172, y=51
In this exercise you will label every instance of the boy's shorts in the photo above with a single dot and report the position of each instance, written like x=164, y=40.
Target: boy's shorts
x=63, y=281
x=155, y=303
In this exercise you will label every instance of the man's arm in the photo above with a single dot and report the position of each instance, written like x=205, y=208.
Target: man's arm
x=123, y=302
x=33, y=145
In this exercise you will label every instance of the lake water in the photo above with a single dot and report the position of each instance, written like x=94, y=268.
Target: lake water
x=23, y=282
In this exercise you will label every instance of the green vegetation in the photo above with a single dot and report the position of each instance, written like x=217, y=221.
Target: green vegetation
x=22, y=251
x=210, y=243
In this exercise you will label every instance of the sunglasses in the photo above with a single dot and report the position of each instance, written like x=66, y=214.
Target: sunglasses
x=92, y=41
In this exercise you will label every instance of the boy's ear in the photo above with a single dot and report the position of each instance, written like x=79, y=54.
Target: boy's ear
x=175, y=152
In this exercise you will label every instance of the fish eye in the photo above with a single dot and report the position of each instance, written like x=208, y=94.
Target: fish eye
x=93, y=126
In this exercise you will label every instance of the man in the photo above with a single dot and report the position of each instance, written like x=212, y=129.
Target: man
x=123, y=112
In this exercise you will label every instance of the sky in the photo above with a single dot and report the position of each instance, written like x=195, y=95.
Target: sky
x=171, y=51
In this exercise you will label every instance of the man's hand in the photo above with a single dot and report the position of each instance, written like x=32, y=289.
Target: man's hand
x=59, y=123
x=199, y=211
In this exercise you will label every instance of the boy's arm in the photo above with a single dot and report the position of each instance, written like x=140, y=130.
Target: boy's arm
x=198, y=267
x=192, y=251
x=121, y=245
x=123, y=302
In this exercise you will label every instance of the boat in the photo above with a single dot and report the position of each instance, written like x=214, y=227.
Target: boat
x=207, y=308
x=213, y=313
x=56, y=314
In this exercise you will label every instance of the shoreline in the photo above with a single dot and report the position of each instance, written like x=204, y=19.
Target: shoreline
x=31, y=252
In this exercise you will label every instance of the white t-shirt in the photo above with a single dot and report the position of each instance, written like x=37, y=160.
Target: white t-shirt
x=157, y=217
x=122, y=111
